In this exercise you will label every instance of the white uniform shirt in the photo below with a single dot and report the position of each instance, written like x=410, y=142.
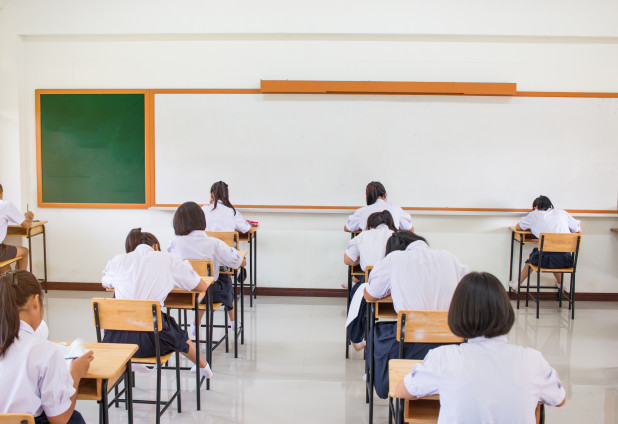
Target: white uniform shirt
x=8, y=214
x=35, y=377
x=486, y=381
x=146, y=274
x=549, y=221
x=358, y=220
x=222, y=218
x=369, y=245
x=197, y=245
x=418, y=278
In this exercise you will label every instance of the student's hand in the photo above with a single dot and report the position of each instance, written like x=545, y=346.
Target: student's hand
x=80, y=366
x=29, y=215
x=244, y=262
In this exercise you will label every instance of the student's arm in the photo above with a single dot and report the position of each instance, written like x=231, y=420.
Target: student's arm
x=229, y=256
x=13, y=215
x=241, y=223
x=352, y=253
x=379, y=284
x=370, y=298
x=27, y=223
x=107, y=280
x=349, y=261
x=183, y=274
x=353, y=223
x=201, y=286
x=405, y=220
x=546, y=379
x=402, y=393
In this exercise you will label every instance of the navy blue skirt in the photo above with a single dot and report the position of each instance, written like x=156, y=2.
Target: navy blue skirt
x=356, y=328
x=76, y=418
x=551, y=259
x=223, y=291
x=171, y=339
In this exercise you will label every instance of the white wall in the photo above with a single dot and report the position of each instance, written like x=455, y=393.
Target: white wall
x=543, y=46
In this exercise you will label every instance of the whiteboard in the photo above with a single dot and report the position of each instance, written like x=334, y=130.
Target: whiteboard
x=428, y=151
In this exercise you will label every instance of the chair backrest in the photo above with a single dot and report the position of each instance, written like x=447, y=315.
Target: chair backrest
x=203, y=267
x=425, y=327
x=126, y=314
x=228, y=237
x=559, y=242
x=368, y=269
x=16, y=419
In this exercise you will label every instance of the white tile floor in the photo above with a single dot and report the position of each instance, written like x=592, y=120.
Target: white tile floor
x=292, y=368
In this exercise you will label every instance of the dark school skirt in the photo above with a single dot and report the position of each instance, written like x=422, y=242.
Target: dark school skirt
x=76, y=418
x=385, y=347
x=551, y=259
x=7, y=252
x=171, y=339
x=356, y=328
x=223, y=291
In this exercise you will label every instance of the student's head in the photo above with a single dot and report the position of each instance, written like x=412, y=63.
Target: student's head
x=189, y=217
x=542, y=203
x=374, y=191
x=20, y=298
x=480, y=307
x=219, y=192
x=400, y=240
x=378, y=218
x=137, y=236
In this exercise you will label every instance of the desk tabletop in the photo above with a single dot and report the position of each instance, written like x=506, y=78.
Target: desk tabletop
x=208, y=280
x=32, y=225
x=109, y=359
x=386, y=299
x=516, y=231
x=249, y=235
x=397, y=370
x=17, y=230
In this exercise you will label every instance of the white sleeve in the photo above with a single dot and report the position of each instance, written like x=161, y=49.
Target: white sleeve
x=241, y=224
x=353, y=223
x=551, y=391
x=55, y=384
x=13, y=214
x=352, y=250
x=379, y=284
x=227, y=255
x=574, y=224
x=184, y=275
x=525, y=222
x=108, y=275
x=405, y=220
x=424, y=379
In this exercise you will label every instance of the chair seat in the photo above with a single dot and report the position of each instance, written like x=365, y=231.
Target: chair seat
x=536, y=269
x=152, y=359
x=9, y=261
x=215, y=306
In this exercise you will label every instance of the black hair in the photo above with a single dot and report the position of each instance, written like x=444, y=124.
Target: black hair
x=189, y=217
x=221, y=193
x=1, y=189
x=16, y=289
x=137, y=237
x=480, y=307
x=378, y=218
x=400, y=240
x=374, y=190
x=542, y=203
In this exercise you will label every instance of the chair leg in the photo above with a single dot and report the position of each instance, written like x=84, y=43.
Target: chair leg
x=572, y=296
x=528, y=289
x=116, y=396
x=560, y=289
x=178, y=377
x=158, y=402
x=227, y=339
x=538, y=292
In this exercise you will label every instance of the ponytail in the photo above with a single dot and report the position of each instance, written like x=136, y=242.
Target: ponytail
x=137, y=237
x=542, y=203
x=220, y=193
x=400, y=240
x=378, y=218
x=16, y=288
x=374, y=190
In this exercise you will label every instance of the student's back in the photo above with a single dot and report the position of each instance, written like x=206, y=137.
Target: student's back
x=375, y=194
x=220, y=214
x=549, y=221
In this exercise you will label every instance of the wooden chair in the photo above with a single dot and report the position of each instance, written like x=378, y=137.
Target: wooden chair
x=9, y=261
x=556, y=242
x=16, y=418
x=138, y=315
x=231, y=238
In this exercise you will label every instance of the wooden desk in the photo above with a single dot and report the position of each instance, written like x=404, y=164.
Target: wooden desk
x=9, y=261
x=36, y=228
x=422, y=410
x=238, y=330
x=522, y=237
x=251, y=238
x=111, y=362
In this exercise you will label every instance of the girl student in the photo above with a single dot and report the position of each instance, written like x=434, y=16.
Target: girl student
x=144, y=272
x=34, y=371
x=545, y=219
x=486, y=379
x=9, y=213
x=417, y=278
x=191, y=242
x=375, y=194
x=221, y=215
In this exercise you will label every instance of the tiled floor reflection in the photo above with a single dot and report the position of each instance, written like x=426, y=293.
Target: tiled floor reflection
x=292, y=367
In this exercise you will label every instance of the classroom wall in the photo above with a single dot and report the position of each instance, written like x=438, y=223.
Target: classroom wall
x=542, y=46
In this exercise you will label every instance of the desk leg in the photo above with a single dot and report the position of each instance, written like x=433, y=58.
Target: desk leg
x=251, y=286
x=45, y=258
x=129, y=392
x=511, y=257
x=521, y=251
x=242, y=311
x=347, y=339
x=370, y=376
x=104, y=403
x=198, y=326
x=209, y=324
x=235, y=315
x=255, y=264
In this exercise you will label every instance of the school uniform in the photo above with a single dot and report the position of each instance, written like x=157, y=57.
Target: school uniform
x=222, y=218
x=8, y=214
x=197, y=245
x=146, y=274
x=486, y=381
x=358, y=220
x=550, y=221
x=36, y=378
x=418, y=278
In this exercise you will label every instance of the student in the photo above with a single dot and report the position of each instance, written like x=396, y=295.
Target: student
x=376, y=202
x=191, y=242
x=221, y=215
x=35, y=376
x=486, y=380
x=545, y=219
x=418, y=278
x=9, y=213
x=146, y=273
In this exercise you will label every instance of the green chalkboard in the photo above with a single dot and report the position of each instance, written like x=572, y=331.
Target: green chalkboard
x=92, y=148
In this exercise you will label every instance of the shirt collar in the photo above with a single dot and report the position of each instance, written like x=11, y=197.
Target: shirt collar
x=143, y=247
x=483, y=339
x=417, y=245
x=197, y=233
x=382, y=227
x=23, y=325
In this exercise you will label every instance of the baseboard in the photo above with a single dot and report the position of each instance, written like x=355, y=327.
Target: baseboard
x=313, y=292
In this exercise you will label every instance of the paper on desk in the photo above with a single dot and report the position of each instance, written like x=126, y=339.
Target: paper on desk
x=355, y=304
x=75, y=349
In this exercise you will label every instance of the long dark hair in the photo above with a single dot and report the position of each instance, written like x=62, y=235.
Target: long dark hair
x=400, y=240
x=221, y=194
x=542, y=203
x=378, y=218
x=16, y=288
x=137, y=237
x=189, y=217
x=374, y=190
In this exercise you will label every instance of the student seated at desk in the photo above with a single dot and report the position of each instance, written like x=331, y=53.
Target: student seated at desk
x=35, y=377
x=545, y=219
x=375, y=194
x=221, y=215
x=486, y=379
x=191, y=242
x=417, y=278
x=9, y=213
x=146, y=273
